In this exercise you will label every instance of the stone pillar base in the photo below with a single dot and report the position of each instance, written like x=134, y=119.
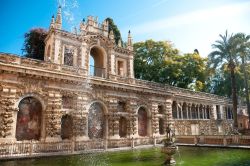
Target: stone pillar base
x=82, y=138
x=53, y=139
x=7, y=140
x=114, y=137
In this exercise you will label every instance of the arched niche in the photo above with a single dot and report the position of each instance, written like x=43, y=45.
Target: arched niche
x=122, y=127
x=28, y=124
x=161, y=109
x=97, y=62
x=66, y=127
x=143, y=122
x=96, y=121
x=161, y=126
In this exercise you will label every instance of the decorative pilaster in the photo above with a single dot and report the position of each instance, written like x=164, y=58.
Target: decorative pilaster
x=80, y=118
x=155, y=119
x=212, y=110
x=53, y=117
x=113, y=127
x=131, y=108
x=7, y=114
x=169, y=116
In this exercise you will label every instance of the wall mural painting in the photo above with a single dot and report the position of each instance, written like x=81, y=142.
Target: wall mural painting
x=122, y=127
x=28, y=125
x=96, y=121
x=142, y=122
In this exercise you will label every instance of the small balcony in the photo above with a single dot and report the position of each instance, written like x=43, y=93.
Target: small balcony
x=97, y=71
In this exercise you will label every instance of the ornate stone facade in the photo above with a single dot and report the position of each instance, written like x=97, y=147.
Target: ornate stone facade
x=85, y=90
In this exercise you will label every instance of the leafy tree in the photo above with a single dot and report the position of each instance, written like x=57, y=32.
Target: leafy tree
x=243, y=49
x=224, y=55
x=150, y=56
x=115, y=29
x=187, y=71
x=161, y=62
x=34, y=43
x=219, y=82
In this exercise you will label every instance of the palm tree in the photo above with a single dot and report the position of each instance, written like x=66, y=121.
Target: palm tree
x=243, y=48
x=224, y=54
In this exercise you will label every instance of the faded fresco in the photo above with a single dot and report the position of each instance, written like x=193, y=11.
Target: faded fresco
x=96, y=120
x=142, y=122
x=66, y=127
x=28, y=125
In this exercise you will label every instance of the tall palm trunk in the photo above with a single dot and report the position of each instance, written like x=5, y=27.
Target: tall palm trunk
x=246, y=85
x=234, y=93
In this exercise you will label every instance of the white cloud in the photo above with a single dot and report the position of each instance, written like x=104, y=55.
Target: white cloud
x=226, y=11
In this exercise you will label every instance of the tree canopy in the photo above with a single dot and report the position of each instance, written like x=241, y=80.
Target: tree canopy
x=112, y=26
x=159, y=61
x=34, y=45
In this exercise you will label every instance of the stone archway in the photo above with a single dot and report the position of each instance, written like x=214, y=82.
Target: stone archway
x=96, y=121
x=142, y=122
x=97, y=62
x=66, y=127
x=28, y=125
x=122, y=127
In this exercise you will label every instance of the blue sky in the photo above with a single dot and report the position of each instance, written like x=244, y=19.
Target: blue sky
x=189, y=24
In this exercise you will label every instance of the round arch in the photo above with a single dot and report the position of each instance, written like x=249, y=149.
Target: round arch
x=34, y=95
x=29, y=119
x=97, y=121
x=144, y=121
x=67, y=126
x=97, y=61
x=123, y=126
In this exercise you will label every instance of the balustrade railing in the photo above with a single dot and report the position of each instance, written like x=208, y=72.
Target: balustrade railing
x=28, y=149
x=97, y=71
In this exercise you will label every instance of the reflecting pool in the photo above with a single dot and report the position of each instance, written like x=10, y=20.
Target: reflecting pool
x=187, y=156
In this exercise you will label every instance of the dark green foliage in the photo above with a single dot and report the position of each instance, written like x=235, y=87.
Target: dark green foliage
x=115, y=29
x=34, y=43
x=224, y=57
x=161, y=62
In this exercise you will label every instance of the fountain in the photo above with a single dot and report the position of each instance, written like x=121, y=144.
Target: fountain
x=169, y=147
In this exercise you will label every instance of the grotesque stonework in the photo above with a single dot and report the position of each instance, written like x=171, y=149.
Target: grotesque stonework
x=85, y=90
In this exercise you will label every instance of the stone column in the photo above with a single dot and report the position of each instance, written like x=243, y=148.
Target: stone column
x=112, y=63
x=113, y=122
x=189, y=106
x=213, y=117
x=155, y=119
x=131, y=66
x=131, y=108
x=222, y=111
x=53, y=117
x=197, y=111
x=84, y=55
x=80, y=118
x=181, y=110
x=169, y=116
x=57, y=52
x=8, y=114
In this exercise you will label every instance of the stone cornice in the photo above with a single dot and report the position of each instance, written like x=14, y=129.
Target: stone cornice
x=75, y=75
